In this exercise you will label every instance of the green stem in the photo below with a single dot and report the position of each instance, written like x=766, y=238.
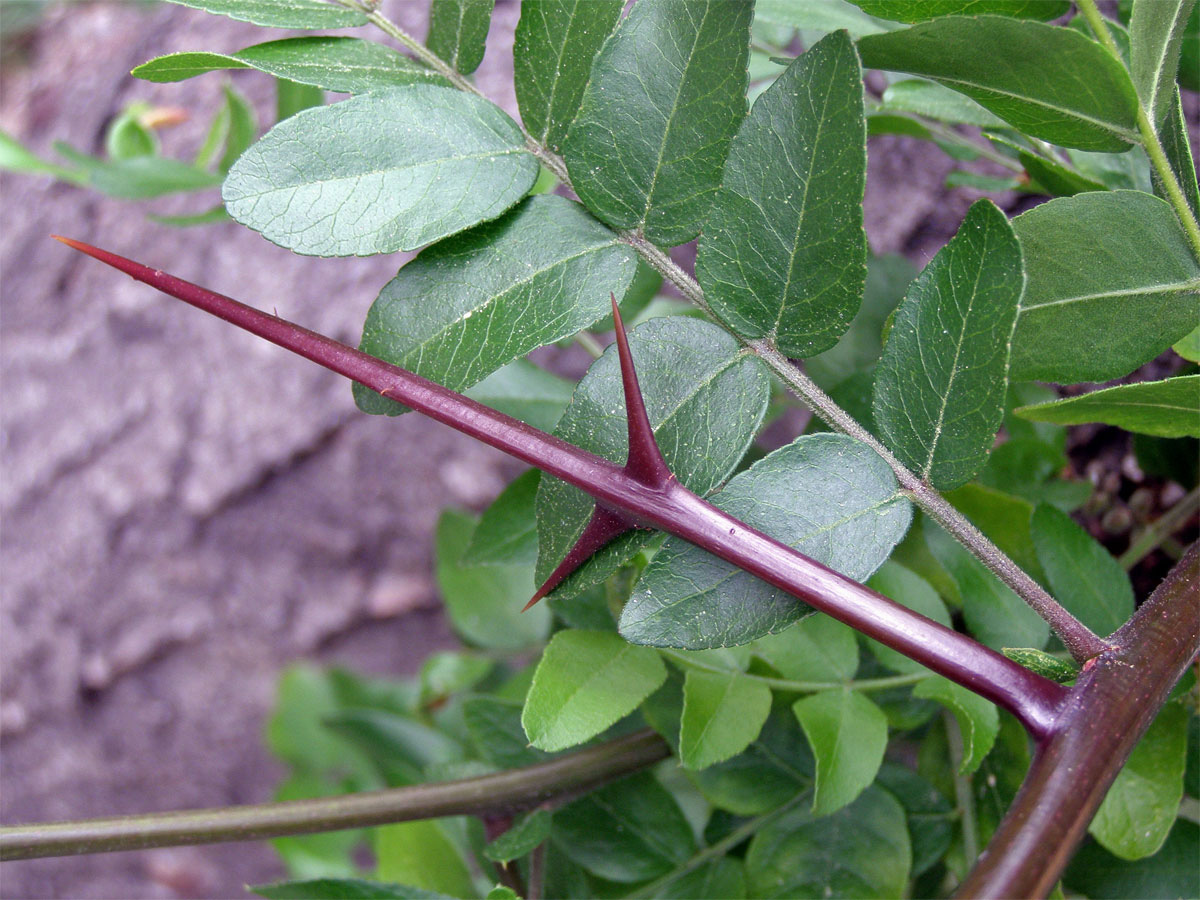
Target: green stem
x=1189, y=808
x=513, y=790
x=1160, y=529
x=950, y=136
x=1148, y=132
x=588, y=342
x=964, y=795
x=717, y=850
x=801, y=687
x=1076, y=637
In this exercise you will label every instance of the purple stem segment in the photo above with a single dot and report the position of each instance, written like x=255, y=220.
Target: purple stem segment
x=667, y=505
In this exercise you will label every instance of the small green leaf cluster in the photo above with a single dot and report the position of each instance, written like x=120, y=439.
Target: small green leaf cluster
x=807, y=760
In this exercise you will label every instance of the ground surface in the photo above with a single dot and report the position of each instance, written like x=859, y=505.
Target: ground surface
x=184, y=510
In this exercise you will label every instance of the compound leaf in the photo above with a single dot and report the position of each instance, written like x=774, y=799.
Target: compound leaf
x=939, y=388
x=667, y=92
x=783, y=255
x=826, y=495
x=381, y=172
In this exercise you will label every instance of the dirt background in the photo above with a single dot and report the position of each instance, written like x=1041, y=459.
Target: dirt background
x=185, y=510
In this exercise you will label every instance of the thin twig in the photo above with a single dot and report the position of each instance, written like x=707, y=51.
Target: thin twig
x=513, y=790
x=1160, y=529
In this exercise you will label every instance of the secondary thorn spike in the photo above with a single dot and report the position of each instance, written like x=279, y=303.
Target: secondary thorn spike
x=601, y=528
x=645, y=461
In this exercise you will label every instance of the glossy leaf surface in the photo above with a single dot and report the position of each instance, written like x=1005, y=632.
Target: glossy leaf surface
x=827, y=496
x=783, y=255
x=722, y=714
x=342, y=889
x=1111, y=284
x=381, y=172
x=666, y=95
x=585, y=682
x=525, y=392
x=1052, y=83
x=939, y=388
x=555, y=44
x=467, y=306
x=848, y=734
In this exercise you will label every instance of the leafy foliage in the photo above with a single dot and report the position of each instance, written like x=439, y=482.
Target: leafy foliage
x=781, y=782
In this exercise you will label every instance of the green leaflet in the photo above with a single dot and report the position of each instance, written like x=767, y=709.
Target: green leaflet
x=586, y=681
x=484, y=602
x=995, y=615
x=342, y=889
x=494, y=726
x=469, y=305
x=908, y=589
x=774, y=769
x=291, y=97
x=1156, y=32
x=783, y=254
x=928, y=98
x=1052, y=83
x=1189, y=345
x=1111, y=284
x=523, y=837
x=381, y=172
x=1178, y=149
x=828, y=496
x=923, y=10
x=458, y=32
x=722, y=878
x=525, y=392
x=343, y=64
x=424, y=855
x=507, y=533
x=818, y=648
x=939, y=388
x=1169, y=408
x=931, y=823
x=401, y=749
x=820, y=15
x=282, y=13
x=705, y=399
x=848, y=734
x=136, y=178
x=555, y=43
x=1140, y=807
x=667, y=92
x=861, y=851
x=722, y=715
x=631, y=830
x=978, y=720
x=1172, y=872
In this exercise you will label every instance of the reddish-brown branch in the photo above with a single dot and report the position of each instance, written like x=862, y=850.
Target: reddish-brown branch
x=1111, y=706
x=1034, y=700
